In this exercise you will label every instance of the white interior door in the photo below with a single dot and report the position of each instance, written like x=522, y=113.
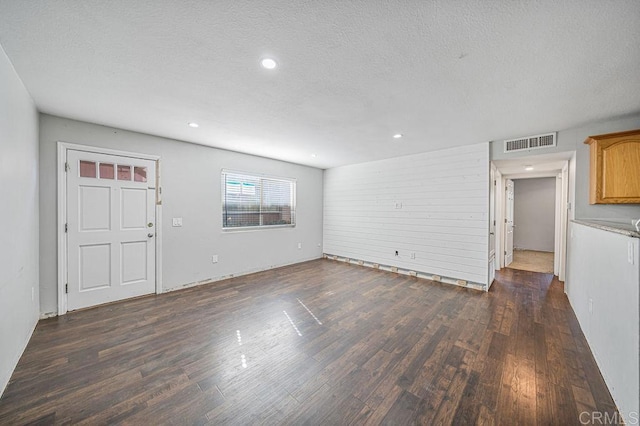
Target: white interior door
x=508, y=245
x=110, y=228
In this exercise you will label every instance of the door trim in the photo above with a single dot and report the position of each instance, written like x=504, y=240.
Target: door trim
x=499, y=213
x=505, y=233
x=63, y=147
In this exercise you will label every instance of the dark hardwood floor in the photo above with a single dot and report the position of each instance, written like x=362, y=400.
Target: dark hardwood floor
x=320, y=342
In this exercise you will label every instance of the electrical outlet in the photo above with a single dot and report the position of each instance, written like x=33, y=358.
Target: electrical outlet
x=176, y=221
x=413, y=255
x=299, y=245
x=397, y=253
x=214, y=258
x=398, y=205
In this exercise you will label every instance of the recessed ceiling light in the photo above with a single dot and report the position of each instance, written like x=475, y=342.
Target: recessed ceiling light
x=528, y=168
x=397, y=136
x=268, y=63
x=194, y=125
x=314, y=155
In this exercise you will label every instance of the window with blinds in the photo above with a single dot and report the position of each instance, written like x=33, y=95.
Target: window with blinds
x=257, y=201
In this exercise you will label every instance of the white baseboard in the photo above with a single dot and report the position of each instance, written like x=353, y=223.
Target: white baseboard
x=226, y=277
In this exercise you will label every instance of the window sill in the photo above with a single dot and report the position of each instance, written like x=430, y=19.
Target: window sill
x=255, y=228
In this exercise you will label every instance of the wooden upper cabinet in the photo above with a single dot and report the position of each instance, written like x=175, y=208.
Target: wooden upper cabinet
x=614, y=176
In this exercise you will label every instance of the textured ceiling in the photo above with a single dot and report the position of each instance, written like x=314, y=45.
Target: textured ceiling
x=351, y=74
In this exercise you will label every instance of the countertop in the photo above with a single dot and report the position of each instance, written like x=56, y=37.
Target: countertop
x=624, y=228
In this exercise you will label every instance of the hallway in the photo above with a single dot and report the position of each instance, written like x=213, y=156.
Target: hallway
x=533, y=261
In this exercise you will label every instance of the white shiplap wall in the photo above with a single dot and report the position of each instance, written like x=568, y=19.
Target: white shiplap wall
x=434, y=204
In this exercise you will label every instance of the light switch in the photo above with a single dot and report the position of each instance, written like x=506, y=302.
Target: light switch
x=177, y=221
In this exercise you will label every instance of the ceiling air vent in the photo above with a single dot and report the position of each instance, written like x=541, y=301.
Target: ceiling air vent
x=530, y=142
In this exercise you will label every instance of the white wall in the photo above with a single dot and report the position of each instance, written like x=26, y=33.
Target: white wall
x=573, y=140
x=19, y=218
x=191, y=190
x=601, y=272
x=443, y=219
x=534, y=214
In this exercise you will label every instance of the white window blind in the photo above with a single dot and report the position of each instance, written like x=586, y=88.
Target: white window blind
x=257, y=201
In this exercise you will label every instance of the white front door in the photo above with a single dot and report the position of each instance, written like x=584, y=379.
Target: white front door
x=508, y=250
x=110, y=228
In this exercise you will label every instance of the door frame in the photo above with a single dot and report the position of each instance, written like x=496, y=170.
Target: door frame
x=562, y=212
x=63, y=147
x=499, y=214
x=492, y=224
x=562, y=209
x=505, y=233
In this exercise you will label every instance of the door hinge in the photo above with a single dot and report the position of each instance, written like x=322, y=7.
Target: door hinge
x=494, y=183
x=505, y=252
x=66, y=288
x=66, y=167
x=494, y=222
x=505, y=221
x=66, y=227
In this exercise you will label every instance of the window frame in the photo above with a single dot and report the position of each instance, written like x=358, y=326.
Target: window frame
x=261, y=177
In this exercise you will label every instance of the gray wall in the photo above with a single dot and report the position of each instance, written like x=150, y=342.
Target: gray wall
x=573, y=140
x=534, y=214
x=19, y=218
x=190, y=189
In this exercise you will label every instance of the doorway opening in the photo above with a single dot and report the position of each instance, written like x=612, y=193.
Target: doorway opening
x=532, y=210
x=533, y=224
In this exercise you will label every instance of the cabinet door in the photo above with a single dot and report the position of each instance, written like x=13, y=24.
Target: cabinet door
x=621, y=171
x=615, y=168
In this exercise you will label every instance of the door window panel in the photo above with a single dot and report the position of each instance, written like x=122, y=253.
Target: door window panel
x=124, y=172
x=87, y=169
x=140, y=174
x=106, y=171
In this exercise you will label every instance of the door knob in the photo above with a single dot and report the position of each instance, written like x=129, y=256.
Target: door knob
x=150, y=235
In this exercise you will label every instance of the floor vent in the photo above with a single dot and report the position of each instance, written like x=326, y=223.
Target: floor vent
x=530, y=142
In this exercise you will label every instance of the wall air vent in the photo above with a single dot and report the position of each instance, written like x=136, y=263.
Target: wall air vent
x=530, y=142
